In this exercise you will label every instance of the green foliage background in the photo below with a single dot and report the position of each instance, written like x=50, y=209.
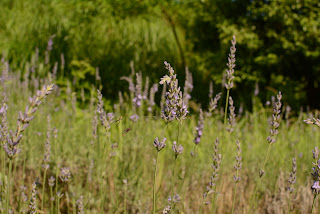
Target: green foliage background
x=277, y=42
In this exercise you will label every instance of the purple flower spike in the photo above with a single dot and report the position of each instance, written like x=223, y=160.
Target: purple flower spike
x=159, y=145
x=177, y=149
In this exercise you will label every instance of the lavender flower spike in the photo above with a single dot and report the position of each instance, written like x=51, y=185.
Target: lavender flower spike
x=177, y=149
x=159, y=145
x=199, y=128
x=275, y=120
x=231, y=64
x=65, y=174
x=293, y=176
x=316, y=172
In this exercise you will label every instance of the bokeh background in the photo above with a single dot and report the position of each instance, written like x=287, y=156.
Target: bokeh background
x=278, y=43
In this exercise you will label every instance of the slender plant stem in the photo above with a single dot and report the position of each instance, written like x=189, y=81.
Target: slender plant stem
x=314, y=199
x=51, y=201
x=173, y=175
x=44, y=184
x=154, y=184
x=58, y=202
x=9, y=186
x=226, y=109
x=289, y=203
x=260, y=177
x=234, y=196
x=125, y=199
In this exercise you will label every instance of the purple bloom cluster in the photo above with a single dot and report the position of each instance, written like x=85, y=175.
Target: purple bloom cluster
x=159, y=145
x=175, y=107
x=275, y=120
x=293, y=177
x=214, y=103
x=134, y=118
x=231, y=64
x=316, y=172
x=199, y=128
x=238, y=164
x=177, y=149
x=232, y=116
x=106, y=119
x=216, y=167
x=13, y=139
x=65, y=174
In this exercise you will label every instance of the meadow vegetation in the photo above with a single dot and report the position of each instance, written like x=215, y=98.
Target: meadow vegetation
x=86, y=155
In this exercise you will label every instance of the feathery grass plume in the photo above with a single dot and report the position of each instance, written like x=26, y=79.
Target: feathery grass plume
x=315, y=188
x=232, y=116
x=237, y=167
x=188, y=87
x=199, y=128
x=153, y=91
x=80, y=205
x=13, y=139
x=313, y=121
x=210, y=188
x=159, y=146
x=33, y=200
x=231, y=64
x=174, y=108
x=292, y=180
x=213, y=104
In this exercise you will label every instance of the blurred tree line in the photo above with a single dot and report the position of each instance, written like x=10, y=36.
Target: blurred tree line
x=278, y=42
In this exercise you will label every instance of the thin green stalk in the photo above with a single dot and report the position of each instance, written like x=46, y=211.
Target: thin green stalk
x=125, y=199
x=9, y=186
x=226, y=109
x=173, y=175
x=289, y=204
x=314, y=199
x=58, y=205
x=260, y=177
x=234, y=196
x=154, y=184
x=51, y=201
x=44, y=183
x=74, y=210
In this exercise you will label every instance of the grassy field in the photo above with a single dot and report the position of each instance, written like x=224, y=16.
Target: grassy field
x=82, y=156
